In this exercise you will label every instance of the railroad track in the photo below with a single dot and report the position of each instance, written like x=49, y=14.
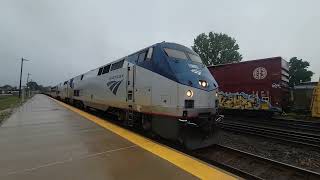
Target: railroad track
x=305, y=137
x=250, y=166
x=298, y=125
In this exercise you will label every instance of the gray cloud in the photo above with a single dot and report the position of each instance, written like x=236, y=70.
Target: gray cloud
x=66, y=38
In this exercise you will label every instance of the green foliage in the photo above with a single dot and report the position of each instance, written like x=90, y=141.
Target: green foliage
x=8, y=102
x=4, y=115
x=216, y=48
x=33, y=86
x=6, y=87
x=298, y=71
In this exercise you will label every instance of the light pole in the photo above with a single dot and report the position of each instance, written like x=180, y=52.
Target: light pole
x=28, y=90
x=22, y=59
x=28, y=78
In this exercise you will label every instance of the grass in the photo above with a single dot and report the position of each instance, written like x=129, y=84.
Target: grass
x=4, y=115
x=7, y=102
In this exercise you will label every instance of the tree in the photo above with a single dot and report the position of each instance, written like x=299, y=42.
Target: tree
x=33, y=85
x=6, y=87
x=298, y=71
x=216, y=48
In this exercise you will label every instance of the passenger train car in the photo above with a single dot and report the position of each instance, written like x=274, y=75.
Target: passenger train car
x=163, y=88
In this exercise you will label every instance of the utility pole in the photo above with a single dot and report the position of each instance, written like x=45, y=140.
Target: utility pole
x=22, y=59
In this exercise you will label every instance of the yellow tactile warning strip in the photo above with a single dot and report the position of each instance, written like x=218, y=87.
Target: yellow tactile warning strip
x=183, y=161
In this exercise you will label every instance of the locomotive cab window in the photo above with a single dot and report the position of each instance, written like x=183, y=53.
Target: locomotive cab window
x=145, y=55
x=194, y=58
x=106, y=69
x=71, y=83
x=133, y=57
x=149, y=54
x=175, y=53
x=100, y=71
x=117, y=65
x=142, y=57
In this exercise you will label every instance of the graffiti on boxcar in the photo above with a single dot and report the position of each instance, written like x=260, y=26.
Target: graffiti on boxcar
x=242, y=101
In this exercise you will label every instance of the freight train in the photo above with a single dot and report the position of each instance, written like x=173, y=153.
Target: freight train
x=163, y=88
x=257, y=86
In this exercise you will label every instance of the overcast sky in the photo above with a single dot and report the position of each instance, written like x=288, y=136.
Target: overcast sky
x=69, y=37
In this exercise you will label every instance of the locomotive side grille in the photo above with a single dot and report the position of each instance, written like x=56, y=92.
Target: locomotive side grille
x=188, y=103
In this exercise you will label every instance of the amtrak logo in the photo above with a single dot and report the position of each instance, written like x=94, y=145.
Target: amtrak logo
x=113, y=86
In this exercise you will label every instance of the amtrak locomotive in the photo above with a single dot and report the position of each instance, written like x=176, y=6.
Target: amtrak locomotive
x=163, y=88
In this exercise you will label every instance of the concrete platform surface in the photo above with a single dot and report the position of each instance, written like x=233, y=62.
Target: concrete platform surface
x=44, y=140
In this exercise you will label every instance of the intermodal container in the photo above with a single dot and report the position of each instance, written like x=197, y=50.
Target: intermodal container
x=266, y=79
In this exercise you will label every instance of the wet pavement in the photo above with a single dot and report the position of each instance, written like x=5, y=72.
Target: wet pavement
x=43, y=140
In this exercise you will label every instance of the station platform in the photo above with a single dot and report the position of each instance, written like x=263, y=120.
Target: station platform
x=47, y=139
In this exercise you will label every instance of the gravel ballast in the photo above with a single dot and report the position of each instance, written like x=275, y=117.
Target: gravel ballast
x=289, y=153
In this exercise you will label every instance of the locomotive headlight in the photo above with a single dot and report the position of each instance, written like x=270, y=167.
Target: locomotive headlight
x=189, y=93
x=203, y=83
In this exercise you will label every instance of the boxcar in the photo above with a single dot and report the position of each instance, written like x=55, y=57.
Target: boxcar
x=256, y=84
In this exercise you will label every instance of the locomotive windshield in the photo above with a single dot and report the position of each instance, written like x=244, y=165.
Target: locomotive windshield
x=182, y=55
x=175, y=53
x=195, y=58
